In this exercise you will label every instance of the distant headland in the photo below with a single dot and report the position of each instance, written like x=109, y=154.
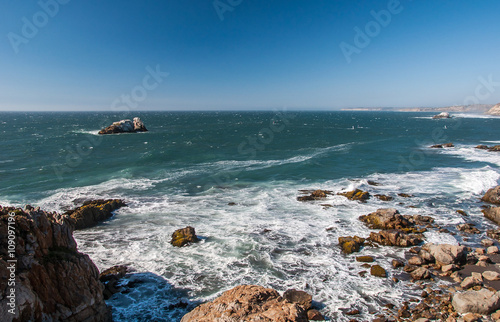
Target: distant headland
x=489, y=109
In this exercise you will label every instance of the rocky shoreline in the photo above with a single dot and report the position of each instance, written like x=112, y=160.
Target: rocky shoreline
x=457, y=283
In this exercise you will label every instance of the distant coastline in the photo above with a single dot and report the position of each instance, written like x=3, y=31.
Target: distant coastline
x=477, y=109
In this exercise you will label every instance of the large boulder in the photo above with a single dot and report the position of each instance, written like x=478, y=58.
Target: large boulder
x=350, y=244
x=184, y=236
x=93, y=212
x=446, y=254
x=394, y=237
x=483, y=302
x=442, y=115
x=248, y=303
x=493, y=214
x=125, y=126
x=53, y=281
x=356, y=194
x=388, y=218
x=492, y=196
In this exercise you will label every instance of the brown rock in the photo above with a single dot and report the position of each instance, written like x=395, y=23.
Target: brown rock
x=468, y=228
x=404, y=195
x=110, y=278
x=492, y=196
x=93, y=212
x=315, y=315
x=446, y=254
x=350, y=245
x=384, y=197
x=315, y=195
x=125, y=126
x=420, y=273
x=377, y=270
x=492, y=250
x=54, y=282
x=487, y=242
x=248, y=303
x=394, y=237
x=491, y=275
x=482, y=147
x=463, y=213
x=495, y=148
x=356, y=195
x=184, y=236
x=397, y=263
x=388, y=218
x=472, y=317
x=298, y=297
x=416, y=260
x=364, y=259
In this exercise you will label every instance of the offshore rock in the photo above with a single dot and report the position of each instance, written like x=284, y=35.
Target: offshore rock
x=378, y=271
x=248, y=303
x=357, y=194
x=440, y=146
x=125, y=126
x=184, y=236
x=492, y=196
x=442, y=115
x=93, y=212
x=54, y=282
x=315, y=195
x=385, y=219
x=350, y=244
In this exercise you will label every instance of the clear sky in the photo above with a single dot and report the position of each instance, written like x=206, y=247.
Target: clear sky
x=247, y=54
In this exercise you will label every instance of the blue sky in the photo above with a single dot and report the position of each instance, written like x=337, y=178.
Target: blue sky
x=93, y=55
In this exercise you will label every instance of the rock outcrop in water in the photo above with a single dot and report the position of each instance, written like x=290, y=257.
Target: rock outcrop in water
x=442, y=115
x=356, y=194
x=53, y=281
x=253, y=303
x=93, y=212
x=125, y=126
x=184, y=236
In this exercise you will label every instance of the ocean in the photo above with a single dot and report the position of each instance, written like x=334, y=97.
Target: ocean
x=235, y=177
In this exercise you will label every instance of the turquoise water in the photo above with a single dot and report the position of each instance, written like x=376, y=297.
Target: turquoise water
x=190, y=166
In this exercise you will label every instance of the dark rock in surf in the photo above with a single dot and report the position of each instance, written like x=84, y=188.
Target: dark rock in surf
x=110, y=278
x=350, y=244
x=315, y=195
x=394, y=237
x=184, y=236
x=440, y=146
x=492, y=196
x=442, y=115
x=301, y=298
x=356, y=194
x=125, y=126
x=93, y=212
x=384, y=197
x=388, y=218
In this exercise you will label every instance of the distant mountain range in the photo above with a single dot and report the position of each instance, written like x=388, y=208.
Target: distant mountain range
x=476, y=108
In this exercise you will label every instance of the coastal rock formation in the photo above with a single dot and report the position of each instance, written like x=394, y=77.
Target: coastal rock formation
x=110, y=278
x=125, y=126
x=350, y=244
x=53, y=281
x=440, y=146
x=248, y=303
x=493, y=214
x=483, y=302
x=184, y=236
x=492, y=196
x=394, y=237
x=356, y=195
x=378, y=271
x=386, y=218
x=495, y=110
x=93, y=212
x=446, y=254
x=442, y=115
x=315, y=195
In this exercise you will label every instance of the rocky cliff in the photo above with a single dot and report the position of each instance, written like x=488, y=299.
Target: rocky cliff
x=43, y=277
x=495, y=110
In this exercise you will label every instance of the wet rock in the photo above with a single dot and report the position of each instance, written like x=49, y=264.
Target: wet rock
x=373, y=183
x=388, y=218
x=492, y=196
x=404, y=195
x=493, y=214
x=482, y=147
x=110, y=278
x=420, y=273
x=449, y=268
x=471, y=281
x=54, y=282
x=298, y=297
x=495, y=148
x=492, y=250
x=394, y=237
x=315, y=315
x=125, y=126
x=487, y=242
x=483, y=302
x=384, y=197
x=440, y=146
x=350, y=244
x=184, y=236
x=463, y=213
x=442, y=115
x=446, y=254
x=356, y=195
x=248, y=303
x=416, y=260
x=468, y=228
x=315, y=195
x=93, y=212
x=397, y=263
x=377, y=270
x=365, y=259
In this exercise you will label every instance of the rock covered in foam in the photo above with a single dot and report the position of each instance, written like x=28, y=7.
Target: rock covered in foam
x=125, y=126
x=442, y=115
x=54, y=282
